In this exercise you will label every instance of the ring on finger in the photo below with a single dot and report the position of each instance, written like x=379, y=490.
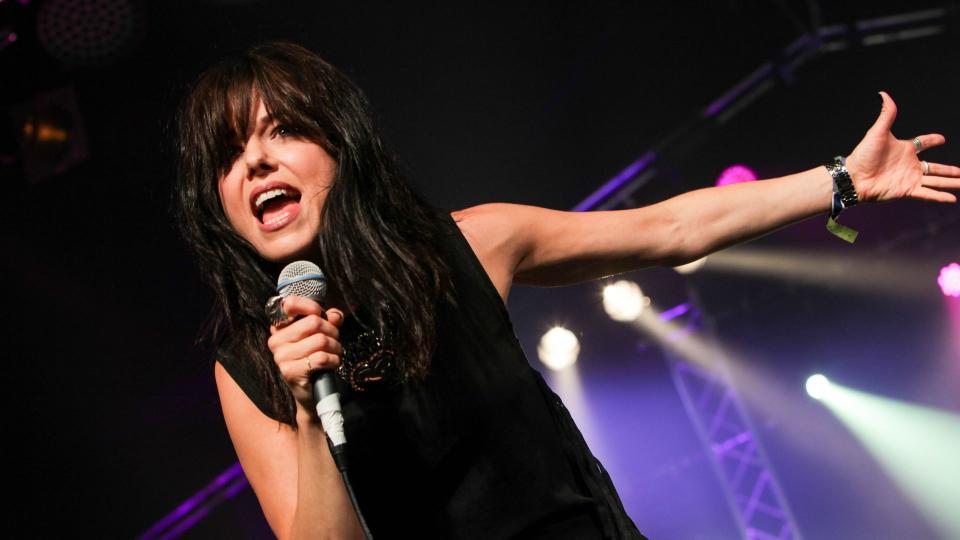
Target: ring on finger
x=926, y=168
x=917, y=144
x=274, y=308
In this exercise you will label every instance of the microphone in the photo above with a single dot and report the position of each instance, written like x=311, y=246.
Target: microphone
x=305, y=279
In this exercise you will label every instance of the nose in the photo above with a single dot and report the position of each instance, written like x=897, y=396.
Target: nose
x=257, y=159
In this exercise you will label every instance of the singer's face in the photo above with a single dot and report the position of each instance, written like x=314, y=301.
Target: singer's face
x=274, y=190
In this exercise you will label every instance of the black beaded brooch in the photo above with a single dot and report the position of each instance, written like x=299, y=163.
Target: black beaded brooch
x=367, y=362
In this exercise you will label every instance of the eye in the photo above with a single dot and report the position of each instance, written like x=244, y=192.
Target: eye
x=283, y=130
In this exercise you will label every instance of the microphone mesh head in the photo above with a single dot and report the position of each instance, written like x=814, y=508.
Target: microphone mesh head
x=302, y=278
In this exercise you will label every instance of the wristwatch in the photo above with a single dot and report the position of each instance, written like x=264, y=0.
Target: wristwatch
x=842, y=183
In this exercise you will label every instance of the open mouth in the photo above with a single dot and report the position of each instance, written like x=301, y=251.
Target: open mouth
x=276, y=204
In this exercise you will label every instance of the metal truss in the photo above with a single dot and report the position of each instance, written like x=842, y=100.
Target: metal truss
x=752, y=491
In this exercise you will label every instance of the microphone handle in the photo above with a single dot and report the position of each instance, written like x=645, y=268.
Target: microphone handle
x=323, y=384
x=327, y=396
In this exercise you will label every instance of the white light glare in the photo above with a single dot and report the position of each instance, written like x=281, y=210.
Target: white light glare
x=558, y=348
x=818, y=386
x=624, y=301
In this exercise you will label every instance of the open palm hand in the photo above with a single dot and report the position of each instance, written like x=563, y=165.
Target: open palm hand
x=884, y=168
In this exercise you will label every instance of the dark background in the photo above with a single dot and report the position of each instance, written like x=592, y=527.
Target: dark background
x=117, y=418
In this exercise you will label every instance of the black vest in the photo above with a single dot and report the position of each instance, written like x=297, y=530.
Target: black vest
x=484, y=448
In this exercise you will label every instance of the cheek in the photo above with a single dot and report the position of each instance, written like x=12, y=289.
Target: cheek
x=232, y=205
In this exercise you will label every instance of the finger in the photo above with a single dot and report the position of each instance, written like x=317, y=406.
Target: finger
x=937, y=169
x=294, y=370
x=930, y=140
x=303, y=328
x=335, y=316
x=888, y=113
x=306, y=346
x=940, y=182
x=323, y=360
x=297, y=305
x=306, y=326
x=317, y=342
x=928, y=194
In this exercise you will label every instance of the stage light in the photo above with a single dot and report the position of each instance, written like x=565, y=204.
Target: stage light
x=735, y=174
x=624, y=301
x=915, y=445
x=50, y=132
x=558, y=348
x=949, y=280
x=818, y=386
x=691, y=267
x=7, y=36
x=82, y=33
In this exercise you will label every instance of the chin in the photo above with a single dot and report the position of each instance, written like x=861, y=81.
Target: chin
x=287, y=252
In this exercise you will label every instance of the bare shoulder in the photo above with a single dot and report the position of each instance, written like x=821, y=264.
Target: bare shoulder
x=267, y=451
x=492, y=231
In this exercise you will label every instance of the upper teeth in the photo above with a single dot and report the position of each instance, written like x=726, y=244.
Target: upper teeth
x=267, y=195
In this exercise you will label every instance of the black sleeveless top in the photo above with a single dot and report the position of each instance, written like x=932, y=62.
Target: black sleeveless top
x=482, y=449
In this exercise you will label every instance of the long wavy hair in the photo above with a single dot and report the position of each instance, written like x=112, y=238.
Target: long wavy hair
x=377, y=236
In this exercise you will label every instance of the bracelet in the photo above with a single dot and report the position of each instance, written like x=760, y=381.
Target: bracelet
x=843, y=182
x=844, y=196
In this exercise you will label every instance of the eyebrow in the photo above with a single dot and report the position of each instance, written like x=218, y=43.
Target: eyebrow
x=264, y=120
x=259, y=123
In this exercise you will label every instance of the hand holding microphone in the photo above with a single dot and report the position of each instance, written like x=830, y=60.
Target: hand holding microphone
x=305, y=346
x=308, y=345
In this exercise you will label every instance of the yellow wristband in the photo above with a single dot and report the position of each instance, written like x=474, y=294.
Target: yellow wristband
x=846, y=233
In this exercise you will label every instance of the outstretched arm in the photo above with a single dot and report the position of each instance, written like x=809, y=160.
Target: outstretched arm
x=547, y=247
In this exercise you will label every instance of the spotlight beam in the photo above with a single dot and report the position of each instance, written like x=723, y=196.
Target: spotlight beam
x=916, y=446
x=753, y=493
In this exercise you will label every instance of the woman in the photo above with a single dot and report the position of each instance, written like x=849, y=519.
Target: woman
x=452, y=434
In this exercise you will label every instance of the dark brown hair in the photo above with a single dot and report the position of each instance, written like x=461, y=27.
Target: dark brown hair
x=377, y=236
